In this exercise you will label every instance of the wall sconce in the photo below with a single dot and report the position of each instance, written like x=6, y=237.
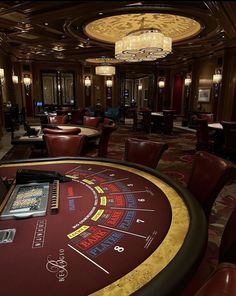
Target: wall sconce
x=1, y=74
x=15, y=79
x=217, y=78
x=187, y=80
x=109, y=82
x=87, y=81
x=27, y=81
x=140, y=87
x=161, y=83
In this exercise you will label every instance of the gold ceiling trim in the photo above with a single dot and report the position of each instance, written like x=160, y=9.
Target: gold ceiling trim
x=113, y=28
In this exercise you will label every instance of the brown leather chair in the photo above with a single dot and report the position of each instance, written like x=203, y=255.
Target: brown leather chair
x=64, y=145
x=168, y=121
x=227, y=250
x=229, y=147
x=104, y=139
x=58, y=119
x=213, y=281
x=146, y=121
x=144, y=152
x=91, y=121
x=205, y=140
x=108, y=121
x=77, y=116
x=67, y=131
x=221, y=282
x=208, y=176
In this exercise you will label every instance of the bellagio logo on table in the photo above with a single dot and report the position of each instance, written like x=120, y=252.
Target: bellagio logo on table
x=58, y=266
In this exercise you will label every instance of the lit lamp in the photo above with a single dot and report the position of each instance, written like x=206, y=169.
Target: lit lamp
x=161, y=83
x=187, y=81
x=87, y=81
x=109, y=82
x=27, y=81
x=105, y=70
x=15, y=79
x=217, y=78
x=146, y=44
x=1, y=74
x=140, y=87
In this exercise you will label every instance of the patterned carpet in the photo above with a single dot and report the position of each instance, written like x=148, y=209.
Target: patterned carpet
x=176, y=162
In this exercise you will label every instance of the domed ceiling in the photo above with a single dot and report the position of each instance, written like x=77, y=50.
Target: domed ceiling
x=75, y=31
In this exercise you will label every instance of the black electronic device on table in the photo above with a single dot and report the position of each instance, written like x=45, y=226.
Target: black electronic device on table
x=26, y=200
x=25, y=176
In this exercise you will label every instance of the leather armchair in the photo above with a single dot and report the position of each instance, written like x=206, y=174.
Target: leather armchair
x=68, y=131
x=58, y=119
x=144, y=152
x=208, y=176
x=64, y=145
x=91, y=121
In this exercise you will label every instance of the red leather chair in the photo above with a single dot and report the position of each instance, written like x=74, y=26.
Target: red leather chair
x=168, y=121
x=77, y=116
x=208, y=176
x=104, y=139
x=227, y=250
x=67, y=131
x=205, y=140
x=64, y=145
x=91, y=121
x=58, y=119
x=229, y=147
x=144, y=152
x=221, y=282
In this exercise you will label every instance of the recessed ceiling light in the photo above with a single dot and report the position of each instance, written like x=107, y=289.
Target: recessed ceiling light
x=100, y=13
x=46, y=24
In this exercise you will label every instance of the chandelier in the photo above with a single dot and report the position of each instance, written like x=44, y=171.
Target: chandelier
x=105, y=70
x=143, y=45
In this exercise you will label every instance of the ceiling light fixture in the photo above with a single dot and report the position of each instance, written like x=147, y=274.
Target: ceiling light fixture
x=145, y=44
x=105, y=70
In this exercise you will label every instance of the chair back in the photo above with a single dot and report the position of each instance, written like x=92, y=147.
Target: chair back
x=168, y=121
x=229, y=129
x=208, y=176
x=146, y=121
x=64, y=145
x=91, y=121
x=222, y=281
x=104, y=139
x=202, y=133
x=144, y=152
x=227, y=251
x=58, y=119
x=68, y=131
x=77, y=116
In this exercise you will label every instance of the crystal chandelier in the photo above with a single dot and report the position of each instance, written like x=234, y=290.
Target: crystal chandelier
x=143, y=45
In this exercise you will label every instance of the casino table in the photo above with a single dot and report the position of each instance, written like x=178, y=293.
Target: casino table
x=120, y=229
x=90, y=133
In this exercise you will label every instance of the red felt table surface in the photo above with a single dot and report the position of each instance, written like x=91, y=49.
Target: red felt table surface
x=109, y=221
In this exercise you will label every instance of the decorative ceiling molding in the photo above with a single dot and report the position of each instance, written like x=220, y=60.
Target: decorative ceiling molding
x=113, y=28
